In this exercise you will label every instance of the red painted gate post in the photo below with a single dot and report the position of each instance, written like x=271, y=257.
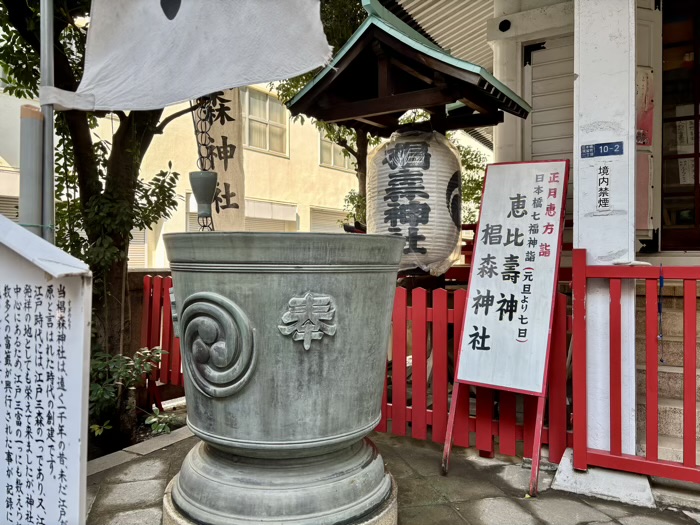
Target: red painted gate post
x=579, y=361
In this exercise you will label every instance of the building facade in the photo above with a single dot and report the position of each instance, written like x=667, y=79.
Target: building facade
x=614, y=87
x=295, y=178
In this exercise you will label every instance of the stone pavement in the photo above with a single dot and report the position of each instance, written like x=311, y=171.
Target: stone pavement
x=476, y=492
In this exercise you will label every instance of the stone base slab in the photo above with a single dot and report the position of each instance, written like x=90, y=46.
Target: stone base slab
x=633, y=489
x=387, y=514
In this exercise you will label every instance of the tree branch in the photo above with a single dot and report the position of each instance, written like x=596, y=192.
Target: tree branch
x=167, y=120
x=27, y=25
x=344, y=144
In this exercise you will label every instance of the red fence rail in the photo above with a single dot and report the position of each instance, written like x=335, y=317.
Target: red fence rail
x=648, y=464
x=427, y=326
x=419, y=407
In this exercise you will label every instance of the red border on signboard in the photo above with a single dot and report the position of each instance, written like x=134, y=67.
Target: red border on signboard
x=540, y=395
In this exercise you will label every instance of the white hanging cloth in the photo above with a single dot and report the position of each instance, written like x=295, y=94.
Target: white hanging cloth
x=148, y=54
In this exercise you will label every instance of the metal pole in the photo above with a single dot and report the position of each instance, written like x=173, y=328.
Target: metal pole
x=30, y=154
x=47, y=79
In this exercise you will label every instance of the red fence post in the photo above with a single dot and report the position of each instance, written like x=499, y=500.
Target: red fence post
x=419, y=325
x=689, y=371
x=507, y=435
x=398, y=364
x=462, y=421
x=579, y=361
x=440, y=351
x=166, y=341
x=146, y=310
x=155, y=312
x=484, y=420
x=557, y=382
x=615, y=367
x=652, y=369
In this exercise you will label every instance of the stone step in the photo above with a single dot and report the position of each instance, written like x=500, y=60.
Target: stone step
x=672, y=350
x=670, y=417
x=671, y=322
x=670, y=448
x=670, y=381
x=673, y=493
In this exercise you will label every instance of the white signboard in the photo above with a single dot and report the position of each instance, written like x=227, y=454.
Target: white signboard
x=45, y=303
x=514, y=267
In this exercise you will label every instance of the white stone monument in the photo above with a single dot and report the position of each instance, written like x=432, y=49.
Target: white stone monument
x=45, y=307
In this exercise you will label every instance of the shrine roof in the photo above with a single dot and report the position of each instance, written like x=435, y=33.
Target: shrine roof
x=387, y=68
x=40, y=253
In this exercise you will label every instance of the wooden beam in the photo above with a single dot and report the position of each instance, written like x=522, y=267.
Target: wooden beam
x=465, y=122
x=385, y=105
x=437, y=65
x=372, y=122
x=411, y=71
x=476, y=106
x=478, y=120
x=385, y=86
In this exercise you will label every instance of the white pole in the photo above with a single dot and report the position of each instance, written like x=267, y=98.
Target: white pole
x=30, y=154
x=604, y=112
x=47, y=79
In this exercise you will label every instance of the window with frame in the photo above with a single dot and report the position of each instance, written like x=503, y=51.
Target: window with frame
x=332, y=154
x=265, y=122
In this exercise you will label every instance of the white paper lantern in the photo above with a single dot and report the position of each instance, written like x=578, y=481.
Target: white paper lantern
x=414, y=189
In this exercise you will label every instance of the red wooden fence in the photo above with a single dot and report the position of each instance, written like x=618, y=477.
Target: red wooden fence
x=157, y=329
x=491, y=414
x=439, y=315
x=649, y=464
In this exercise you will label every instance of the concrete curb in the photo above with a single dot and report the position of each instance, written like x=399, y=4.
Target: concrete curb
x=136, y=451
x=633, y=489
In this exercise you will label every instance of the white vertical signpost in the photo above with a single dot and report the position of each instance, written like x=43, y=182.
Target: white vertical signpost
x=512, y=285
x=45, y=308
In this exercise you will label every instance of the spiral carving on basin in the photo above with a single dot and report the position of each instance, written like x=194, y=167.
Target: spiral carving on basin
x=219, y=344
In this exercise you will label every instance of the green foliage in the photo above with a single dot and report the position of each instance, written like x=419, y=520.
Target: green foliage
x=160, y=423
x=104, y=213
x=98, y=430
x=100, y=195
x=340, y=20
x=111, y=376
x=356, y=206
x=473, y=166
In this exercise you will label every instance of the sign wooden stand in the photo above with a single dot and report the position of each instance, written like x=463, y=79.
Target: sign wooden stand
x=515, y=252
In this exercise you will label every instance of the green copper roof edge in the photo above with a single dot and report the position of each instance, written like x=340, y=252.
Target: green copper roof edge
x=374, y=8
x=418, y=46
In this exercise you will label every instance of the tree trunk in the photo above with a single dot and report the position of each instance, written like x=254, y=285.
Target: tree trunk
x=129, y=145
x=115, y=300
x=362, y=146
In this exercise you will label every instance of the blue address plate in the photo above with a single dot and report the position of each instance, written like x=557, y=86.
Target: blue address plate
x=605, y=149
